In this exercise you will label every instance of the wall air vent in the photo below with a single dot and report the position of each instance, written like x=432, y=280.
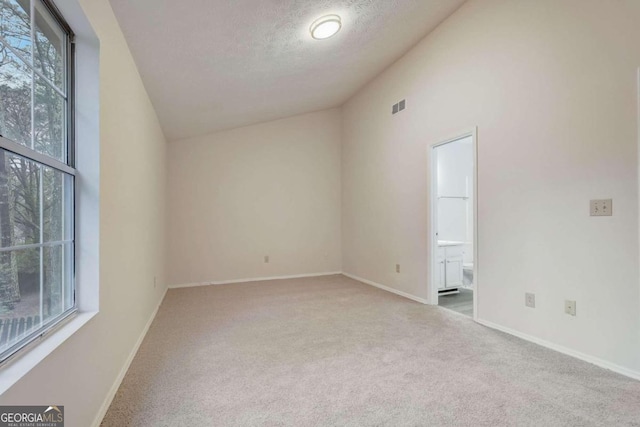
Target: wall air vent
x=398, y=107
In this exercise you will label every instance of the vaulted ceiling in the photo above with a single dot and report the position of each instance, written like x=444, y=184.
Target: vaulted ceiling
x=210, y=65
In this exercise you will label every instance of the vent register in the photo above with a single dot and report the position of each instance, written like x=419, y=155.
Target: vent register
x=398, y=107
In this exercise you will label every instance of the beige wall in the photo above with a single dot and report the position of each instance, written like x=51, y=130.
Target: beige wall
x=552, y=87
x=80, y=373
x=268, y=189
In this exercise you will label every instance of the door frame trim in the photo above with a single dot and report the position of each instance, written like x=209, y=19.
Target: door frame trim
x=433, y=217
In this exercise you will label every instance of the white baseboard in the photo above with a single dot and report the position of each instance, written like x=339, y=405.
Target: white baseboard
x=116, y=384
x=189, y=285
x=564, y=350
x=386, y=288
x=252, y=279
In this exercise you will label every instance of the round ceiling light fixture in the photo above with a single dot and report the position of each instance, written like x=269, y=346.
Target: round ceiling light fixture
x=325, y=27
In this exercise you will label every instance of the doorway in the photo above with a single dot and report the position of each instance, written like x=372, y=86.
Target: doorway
x=453, y=236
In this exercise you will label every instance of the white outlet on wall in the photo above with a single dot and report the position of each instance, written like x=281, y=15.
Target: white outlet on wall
x=266, y=259
x=155, y=281
x=397, y=268
x=530, y=300
x=570, y=307
x=603, y=207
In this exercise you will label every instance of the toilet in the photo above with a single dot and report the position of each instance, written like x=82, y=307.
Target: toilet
x=467, y=275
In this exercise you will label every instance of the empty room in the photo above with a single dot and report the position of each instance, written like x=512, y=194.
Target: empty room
x=319, y=213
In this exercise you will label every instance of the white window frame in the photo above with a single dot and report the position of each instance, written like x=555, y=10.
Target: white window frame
x=30, y=154
x=86, y=108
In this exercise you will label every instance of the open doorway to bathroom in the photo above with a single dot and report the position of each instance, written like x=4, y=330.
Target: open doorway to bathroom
x=453, y=214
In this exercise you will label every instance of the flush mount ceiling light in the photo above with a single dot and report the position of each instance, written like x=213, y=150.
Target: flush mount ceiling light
x=325, y=27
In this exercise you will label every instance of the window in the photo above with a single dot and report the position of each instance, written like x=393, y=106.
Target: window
x=37, y=172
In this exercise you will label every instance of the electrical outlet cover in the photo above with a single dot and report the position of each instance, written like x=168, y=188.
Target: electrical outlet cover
x=530, y=300
x=570, y=307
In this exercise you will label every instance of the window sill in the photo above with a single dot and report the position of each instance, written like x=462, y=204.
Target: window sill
x=22, y=364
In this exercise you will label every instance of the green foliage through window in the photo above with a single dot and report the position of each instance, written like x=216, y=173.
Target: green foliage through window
x=36, y=195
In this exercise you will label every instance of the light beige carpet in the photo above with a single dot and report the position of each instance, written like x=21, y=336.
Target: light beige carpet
x=331, y=351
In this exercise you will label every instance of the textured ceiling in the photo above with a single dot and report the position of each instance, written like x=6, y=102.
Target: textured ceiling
x=217, y=64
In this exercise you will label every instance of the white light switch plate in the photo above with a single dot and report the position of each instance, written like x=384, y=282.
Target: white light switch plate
x=602, y=207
